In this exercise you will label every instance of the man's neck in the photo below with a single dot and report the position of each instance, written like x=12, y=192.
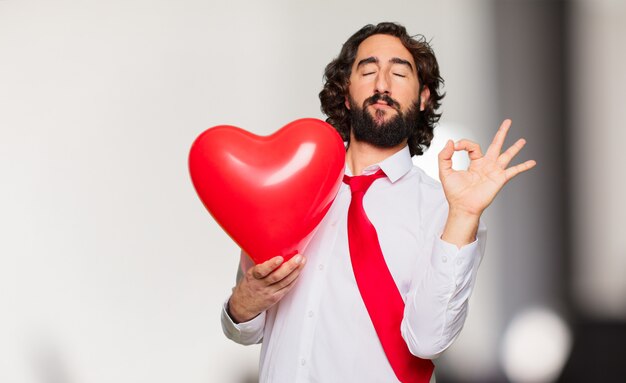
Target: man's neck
x=361, y=155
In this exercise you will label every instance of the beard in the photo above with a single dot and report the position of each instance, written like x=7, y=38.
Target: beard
x=378, y=132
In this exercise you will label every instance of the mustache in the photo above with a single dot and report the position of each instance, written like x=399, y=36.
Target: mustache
x=386, y=98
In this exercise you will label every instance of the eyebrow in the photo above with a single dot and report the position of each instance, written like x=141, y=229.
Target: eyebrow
x=369, y=60
x=393, y=60
x=397, y=60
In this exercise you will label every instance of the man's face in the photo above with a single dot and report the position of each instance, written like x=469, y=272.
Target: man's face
x=384, y=79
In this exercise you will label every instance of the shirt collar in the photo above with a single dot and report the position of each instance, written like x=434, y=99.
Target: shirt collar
x=394, y=166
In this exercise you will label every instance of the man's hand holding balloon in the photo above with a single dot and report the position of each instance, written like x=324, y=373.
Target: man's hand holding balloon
x=262, y=286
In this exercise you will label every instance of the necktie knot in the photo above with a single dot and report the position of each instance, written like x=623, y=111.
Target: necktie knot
x=362, y=183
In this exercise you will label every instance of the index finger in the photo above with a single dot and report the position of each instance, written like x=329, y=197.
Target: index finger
x=264, y=269
x=285, y=270
x=498, y=140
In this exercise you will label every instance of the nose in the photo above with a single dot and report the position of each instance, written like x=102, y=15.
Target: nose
x=382, y=83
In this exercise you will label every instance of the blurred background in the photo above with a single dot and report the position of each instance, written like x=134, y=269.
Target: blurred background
x=112, y=271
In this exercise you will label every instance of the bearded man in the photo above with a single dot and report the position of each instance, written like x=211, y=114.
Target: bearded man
x=392, y=265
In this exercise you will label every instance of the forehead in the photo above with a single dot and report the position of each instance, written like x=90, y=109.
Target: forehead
x=384, y=48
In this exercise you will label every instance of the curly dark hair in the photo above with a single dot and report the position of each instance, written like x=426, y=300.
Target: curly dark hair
x=337, y=76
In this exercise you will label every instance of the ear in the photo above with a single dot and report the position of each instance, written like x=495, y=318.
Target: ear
x=424, y=97
x=346, y=103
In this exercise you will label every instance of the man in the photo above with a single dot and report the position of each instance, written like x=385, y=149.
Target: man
x=340, y=319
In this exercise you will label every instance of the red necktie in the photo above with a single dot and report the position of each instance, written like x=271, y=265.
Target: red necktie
x=378, y=289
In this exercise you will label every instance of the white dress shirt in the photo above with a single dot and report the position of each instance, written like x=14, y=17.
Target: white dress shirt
x=321, y=331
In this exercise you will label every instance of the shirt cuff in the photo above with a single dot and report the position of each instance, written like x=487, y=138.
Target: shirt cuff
x=459, y=263
x=249, y=332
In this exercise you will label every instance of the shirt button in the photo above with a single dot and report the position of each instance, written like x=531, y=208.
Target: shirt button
x=444, y=259
x=321, y=267
x=459, y=261
x=310, y=314
x=303, y=361
x=333, y=224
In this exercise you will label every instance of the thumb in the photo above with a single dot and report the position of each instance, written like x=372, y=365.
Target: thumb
x=445, y=159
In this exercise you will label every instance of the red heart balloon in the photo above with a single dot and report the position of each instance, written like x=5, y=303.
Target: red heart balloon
x=268, y=193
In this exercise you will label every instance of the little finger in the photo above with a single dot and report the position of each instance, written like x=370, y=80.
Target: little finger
x=517, y=169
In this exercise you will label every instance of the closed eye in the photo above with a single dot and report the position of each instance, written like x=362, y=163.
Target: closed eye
x=368, y=73
x=399, y=75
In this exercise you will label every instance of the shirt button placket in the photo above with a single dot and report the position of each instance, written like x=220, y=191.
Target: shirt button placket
x=318, y=280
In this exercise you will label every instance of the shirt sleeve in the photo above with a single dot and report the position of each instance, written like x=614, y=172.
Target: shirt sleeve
x=435, y=310
x=246, y=333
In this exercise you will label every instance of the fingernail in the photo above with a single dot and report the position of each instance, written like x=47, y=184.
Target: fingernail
x=298, y=259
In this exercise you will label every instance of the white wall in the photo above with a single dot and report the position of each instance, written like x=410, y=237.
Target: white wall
x=110, y=268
